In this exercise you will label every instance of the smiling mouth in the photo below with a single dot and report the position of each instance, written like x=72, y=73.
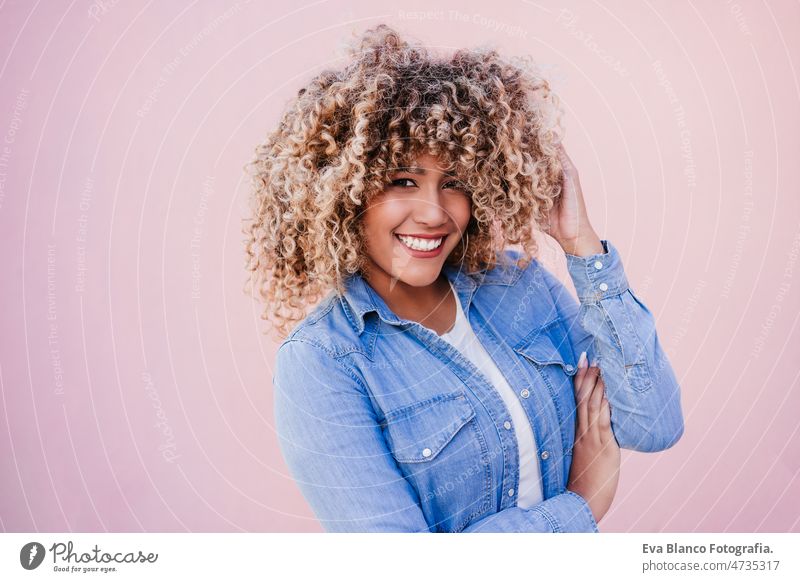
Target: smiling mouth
x=420, y=244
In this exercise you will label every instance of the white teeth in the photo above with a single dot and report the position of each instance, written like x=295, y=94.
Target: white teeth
x=421, y=244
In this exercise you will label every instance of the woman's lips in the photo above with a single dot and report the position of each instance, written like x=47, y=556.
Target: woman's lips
x=421, y=254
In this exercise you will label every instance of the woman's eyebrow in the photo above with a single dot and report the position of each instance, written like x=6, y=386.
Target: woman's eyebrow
x=422, y=171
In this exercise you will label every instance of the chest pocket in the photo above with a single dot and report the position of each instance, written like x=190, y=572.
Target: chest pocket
x=548, y=354
x=442, y=452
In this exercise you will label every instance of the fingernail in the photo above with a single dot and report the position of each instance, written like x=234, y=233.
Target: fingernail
x=594, y=363
x=582, y=360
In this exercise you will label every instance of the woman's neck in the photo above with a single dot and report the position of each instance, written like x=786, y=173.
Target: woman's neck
x=432, y=306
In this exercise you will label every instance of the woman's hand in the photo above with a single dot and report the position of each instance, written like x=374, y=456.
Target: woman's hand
x=568, y=219
x=594, y=473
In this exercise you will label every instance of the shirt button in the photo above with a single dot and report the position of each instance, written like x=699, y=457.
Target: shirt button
x=598, y=265
x=603, y=287
x=426, y=452
x=511, y=493
x=507, y=425
x=524, y=393
x=569, y=367
x=545, y=454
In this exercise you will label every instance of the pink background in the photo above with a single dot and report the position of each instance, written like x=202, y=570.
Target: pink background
x=134, y=375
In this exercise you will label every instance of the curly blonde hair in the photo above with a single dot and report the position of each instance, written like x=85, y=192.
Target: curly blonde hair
x=495, y=123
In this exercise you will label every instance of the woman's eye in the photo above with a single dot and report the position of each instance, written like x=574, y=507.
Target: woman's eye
x=451, y=185
x=395, y=182
x=455, y=186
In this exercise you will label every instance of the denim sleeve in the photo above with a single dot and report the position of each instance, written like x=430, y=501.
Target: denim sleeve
x=333, y=445
x=613, y=325
x=565, y=513
x=330, y=438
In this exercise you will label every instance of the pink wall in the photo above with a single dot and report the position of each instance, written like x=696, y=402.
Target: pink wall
x=135, y=382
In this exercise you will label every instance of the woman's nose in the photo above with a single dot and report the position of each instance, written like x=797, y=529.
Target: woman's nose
x=428, y=207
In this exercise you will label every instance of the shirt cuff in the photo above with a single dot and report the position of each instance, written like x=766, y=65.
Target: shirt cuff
x=568, y=513
x=598, y=276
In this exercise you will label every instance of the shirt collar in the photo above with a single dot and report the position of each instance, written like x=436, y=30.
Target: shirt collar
x=361, y=299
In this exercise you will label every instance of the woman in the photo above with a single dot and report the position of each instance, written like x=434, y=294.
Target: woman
x=442, y=384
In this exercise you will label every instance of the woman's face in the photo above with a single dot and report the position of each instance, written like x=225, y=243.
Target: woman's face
x=415, y=223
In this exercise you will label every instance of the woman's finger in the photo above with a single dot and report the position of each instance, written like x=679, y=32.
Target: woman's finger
x=578, y=381
x=604, y=419
x=583, y=367
x=585, y=389
x=595, y=399
x=580, y=405
x=607, y=436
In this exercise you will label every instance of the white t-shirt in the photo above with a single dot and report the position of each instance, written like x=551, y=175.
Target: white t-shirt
x=464, y=340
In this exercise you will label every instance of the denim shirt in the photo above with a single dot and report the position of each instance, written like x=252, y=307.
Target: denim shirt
x=386, y=427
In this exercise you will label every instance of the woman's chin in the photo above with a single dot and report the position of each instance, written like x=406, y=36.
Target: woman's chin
x=414, y=278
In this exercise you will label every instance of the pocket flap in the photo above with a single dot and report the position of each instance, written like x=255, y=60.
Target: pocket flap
x=417, y=433
x=549, y=345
